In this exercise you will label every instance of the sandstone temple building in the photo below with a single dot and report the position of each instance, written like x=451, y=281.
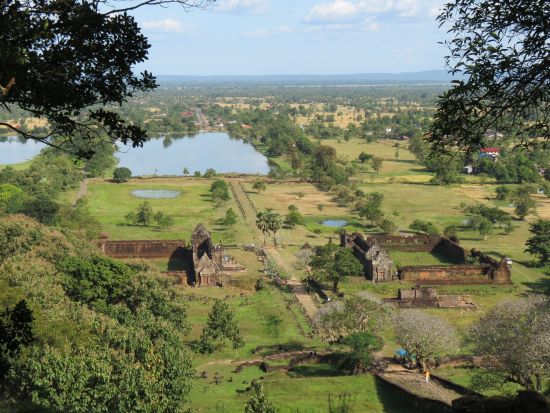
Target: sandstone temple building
x=472, y=267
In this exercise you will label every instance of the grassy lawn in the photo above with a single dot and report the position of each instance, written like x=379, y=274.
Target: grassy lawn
x=267, y=318
x=110, y=202
x=305, y=392
x=270, y=317
x=403, y=258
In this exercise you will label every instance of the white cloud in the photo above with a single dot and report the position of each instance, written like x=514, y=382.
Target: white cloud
x=370, y=26
x=345, y=12
x=337, y=11
x=243, y=6
x=167, y=25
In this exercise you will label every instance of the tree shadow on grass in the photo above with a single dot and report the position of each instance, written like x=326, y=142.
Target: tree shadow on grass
x=278, y=348
x=315, y=370
x=541, y=286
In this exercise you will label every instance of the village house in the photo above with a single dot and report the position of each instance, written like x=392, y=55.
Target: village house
x=490, y=153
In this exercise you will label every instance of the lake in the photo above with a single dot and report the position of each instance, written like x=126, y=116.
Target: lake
x=215, y=150
x=169, y=155
x=13, y=151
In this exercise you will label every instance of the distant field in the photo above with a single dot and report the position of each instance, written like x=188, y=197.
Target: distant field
x=403, y=168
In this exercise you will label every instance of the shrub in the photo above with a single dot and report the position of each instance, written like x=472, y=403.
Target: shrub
x=122, y=175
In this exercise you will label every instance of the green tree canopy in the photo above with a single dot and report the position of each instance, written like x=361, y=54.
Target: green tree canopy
x=68, y=63
x=333, y=263
x=221, y=326
x=122, y=174
x=539, y=242
x=500, y=48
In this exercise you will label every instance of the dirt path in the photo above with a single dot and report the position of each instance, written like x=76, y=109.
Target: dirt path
x=300, y=294
x=413, y=382
x=82, y=191
x=248, y=212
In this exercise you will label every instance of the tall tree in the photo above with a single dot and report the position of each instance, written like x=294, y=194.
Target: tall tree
x=333, y=263
x=68, y=62
x=221, y=326
x=500, y=48
x=15, y=333
x=539, y=243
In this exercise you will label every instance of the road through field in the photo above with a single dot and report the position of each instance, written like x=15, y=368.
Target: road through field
x=248, y=211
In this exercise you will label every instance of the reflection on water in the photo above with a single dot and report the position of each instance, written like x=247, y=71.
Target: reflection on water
x=336, y=223
x=16, y=150
x=170, y=155
x=165, y=156
x=155, y=194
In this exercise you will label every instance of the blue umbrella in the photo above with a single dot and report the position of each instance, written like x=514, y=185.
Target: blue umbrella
x=401, y=352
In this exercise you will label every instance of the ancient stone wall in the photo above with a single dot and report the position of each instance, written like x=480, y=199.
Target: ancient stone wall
x=416, y=243
x=142, y=249
x=446, y=274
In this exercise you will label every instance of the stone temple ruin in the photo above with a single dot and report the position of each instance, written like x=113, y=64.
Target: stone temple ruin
x=204, y=264
x=374, y=253
x=427, y=297
x=210, y=263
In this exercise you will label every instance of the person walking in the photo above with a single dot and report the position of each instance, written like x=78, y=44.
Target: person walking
x=427, y=375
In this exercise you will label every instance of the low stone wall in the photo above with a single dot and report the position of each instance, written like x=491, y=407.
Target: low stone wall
x=416, y=243
x=143, y=249
x=446, y=274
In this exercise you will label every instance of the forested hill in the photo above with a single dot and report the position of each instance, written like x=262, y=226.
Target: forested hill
x=424, y=77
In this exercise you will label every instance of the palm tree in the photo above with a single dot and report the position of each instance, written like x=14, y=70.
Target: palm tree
x=275, y=223
x=262, y=223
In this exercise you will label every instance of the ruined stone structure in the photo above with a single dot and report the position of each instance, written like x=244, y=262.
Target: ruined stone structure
x=207, y=259
x=207, y=265
x=142, y=249
x=377, y=263
x=427, y=297
x=373, y=253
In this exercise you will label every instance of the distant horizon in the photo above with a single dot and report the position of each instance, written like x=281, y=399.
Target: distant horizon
x=305, y=74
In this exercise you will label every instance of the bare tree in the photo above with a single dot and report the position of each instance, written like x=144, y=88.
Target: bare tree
x=303, y=258
x=423, y=335
x=360, y=313
x=516, y=334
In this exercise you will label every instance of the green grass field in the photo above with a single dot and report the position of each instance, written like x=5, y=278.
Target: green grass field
x=110, y=202
x=270, y=317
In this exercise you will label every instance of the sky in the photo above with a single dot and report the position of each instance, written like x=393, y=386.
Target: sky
x=268, y=37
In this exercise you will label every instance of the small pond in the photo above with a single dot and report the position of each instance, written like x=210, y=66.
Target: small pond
x=155, y=194
x=14, y=150
x=335, y=223
x=169, y=155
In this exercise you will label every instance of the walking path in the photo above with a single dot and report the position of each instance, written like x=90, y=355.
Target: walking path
x=248, y=211
x=287, y=355
x=413, y=382
x=304, y=299
x=82, y=191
